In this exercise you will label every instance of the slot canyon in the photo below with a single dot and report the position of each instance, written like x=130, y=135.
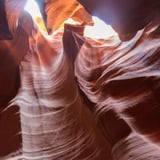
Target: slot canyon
x=79, y=80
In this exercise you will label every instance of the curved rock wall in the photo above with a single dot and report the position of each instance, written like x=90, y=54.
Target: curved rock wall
x=65, y=96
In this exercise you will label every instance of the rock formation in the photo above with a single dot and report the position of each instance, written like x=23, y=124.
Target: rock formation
x=68, y=96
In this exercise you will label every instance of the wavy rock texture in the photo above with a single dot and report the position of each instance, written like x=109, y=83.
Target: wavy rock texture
x=56, y=78
x=122, y=80
x=11, y=53
x=55, y=123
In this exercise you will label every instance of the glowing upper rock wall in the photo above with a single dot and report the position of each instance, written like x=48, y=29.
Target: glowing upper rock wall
x=63, y=10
